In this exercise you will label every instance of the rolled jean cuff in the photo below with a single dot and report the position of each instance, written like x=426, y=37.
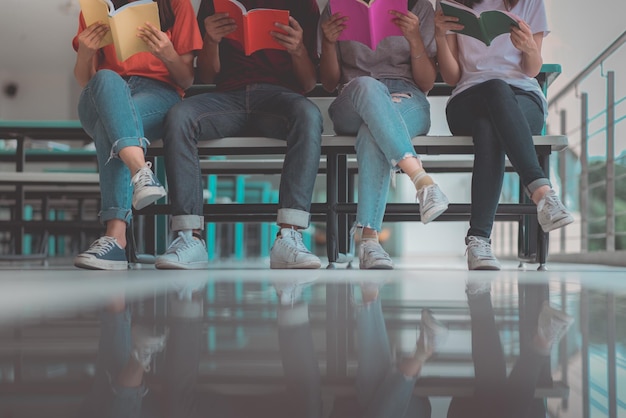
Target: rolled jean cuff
x=298, y=314
x=129, y=142
x=186, y=222
x=536, y=184
x=115, y=213
x=294, y=217
x=129, y=393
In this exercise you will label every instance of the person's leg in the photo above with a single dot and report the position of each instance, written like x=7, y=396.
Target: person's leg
x=112, y=112
x=202, y=117
x=280, y=113
x=300, y=365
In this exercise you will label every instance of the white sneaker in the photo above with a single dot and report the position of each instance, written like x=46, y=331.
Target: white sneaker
x=147, y=188
x=184, y=253
x=552, y=324
x=372, y=256
x=433, y=333
x=479, y=254
x=432, y=202
x=145, y=345
x=551, y=213
x=289, y=252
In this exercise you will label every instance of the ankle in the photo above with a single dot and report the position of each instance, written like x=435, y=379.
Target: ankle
x=368, y=233
x=421, y=179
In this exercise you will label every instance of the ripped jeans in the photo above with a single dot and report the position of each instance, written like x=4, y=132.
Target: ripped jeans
x=118, y=112
x=384, y=115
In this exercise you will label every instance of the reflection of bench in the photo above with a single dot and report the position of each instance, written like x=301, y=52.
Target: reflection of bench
x=267, y=159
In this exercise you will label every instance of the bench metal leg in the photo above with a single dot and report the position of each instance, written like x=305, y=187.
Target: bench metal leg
x=332, y=218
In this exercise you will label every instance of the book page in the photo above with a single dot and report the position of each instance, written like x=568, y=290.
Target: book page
x=357, y=25
x=236, y=11
x=260, y=22
x=96, y=11
x=382, y=21
x=497, y=22
x=124, y=26
x=467, y=17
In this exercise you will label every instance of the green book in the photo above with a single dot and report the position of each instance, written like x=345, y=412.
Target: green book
x=483, y=26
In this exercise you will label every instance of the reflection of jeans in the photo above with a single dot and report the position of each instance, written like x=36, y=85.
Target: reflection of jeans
x=107, y=399
x=118, y=113
x=384, y=115
x=382, y=390
x=496, y=395
x=259, y=110
x=501, y=120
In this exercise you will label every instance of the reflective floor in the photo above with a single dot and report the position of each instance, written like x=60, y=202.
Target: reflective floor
x=240, y=340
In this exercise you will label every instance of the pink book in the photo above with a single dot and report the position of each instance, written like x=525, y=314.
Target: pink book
x=368, y=23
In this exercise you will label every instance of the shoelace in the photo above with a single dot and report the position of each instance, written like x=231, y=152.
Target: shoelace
x=144, y=177
x=481, y=248
x=180, y=243
x=102, y=245
x=296, y=237
x=370, y=248
x=554, y=206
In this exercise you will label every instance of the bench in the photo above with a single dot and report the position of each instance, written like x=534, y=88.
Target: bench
x=337, y=164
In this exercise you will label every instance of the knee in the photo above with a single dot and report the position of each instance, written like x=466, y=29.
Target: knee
x=496, y=88
x=366, y=85
x=178, y=120
x=308, y=115
x=104, y=77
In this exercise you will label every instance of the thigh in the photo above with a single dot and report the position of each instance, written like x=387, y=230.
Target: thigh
x=462, y=111
x=532, y=108
x=153, y=99
x=275, y=110
x=412, y=104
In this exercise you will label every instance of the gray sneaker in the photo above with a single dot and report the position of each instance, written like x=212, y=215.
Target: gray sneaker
x=553, y=324
x=184, y=253
x=145, y=345
x=147, y=188
x=433, y=333
x=551, y=213
x=289, y=252
x=479, y=255
x=432, y=202
x=373, y=257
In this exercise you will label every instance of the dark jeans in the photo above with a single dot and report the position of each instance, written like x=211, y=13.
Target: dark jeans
x=501, y=119
x=258, y=110
x=495, y=394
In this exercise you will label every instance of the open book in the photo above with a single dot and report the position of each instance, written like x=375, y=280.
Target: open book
x=368, y=23
x=253, y=26
x=484, y=26
x=123, y=23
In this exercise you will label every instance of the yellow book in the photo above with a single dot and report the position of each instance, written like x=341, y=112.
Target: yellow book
x=123, y=23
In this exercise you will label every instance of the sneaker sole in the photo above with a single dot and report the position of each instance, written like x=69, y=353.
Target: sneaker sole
x=379, y=267
x=172, y=265
x=95, y=264
x=484, y=267
x=558, y=224
x=140, y=202
x=285, y=266
x=433, y=213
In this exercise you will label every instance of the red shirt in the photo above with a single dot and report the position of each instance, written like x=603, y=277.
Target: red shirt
x=269, y=66
x=185, y=37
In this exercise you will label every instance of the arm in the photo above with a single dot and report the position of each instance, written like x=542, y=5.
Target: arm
x=216, y=27
x=330, y=70
x=530, y=45
x=422, y=67
x=447, y=47
x=86, y=55
x=180, y=67
x=302, y=64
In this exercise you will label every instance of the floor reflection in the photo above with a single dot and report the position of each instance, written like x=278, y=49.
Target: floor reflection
x=257, y=343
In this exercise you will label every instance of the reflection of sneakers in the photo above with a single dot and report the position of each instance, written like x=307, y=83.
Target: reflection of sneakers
x=372, y=256
x=432, y=202
x=289, y=252
x=185, y=253
x=104, y=254
x=552, y=324
x=476, y=287
x=479, y=255
x=551, y=213
x=290, y=292
x=147, y=188
x=145, y=345
x=432, y=335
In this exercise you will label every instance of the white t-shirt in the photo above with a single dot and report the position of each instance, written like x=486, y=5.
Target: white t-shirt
x=501, y=60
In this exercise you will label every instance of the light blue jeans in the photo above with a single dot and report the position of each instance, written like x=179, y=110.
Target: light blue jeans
x=118, y=112
x=257, y=110
x=384, y=115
